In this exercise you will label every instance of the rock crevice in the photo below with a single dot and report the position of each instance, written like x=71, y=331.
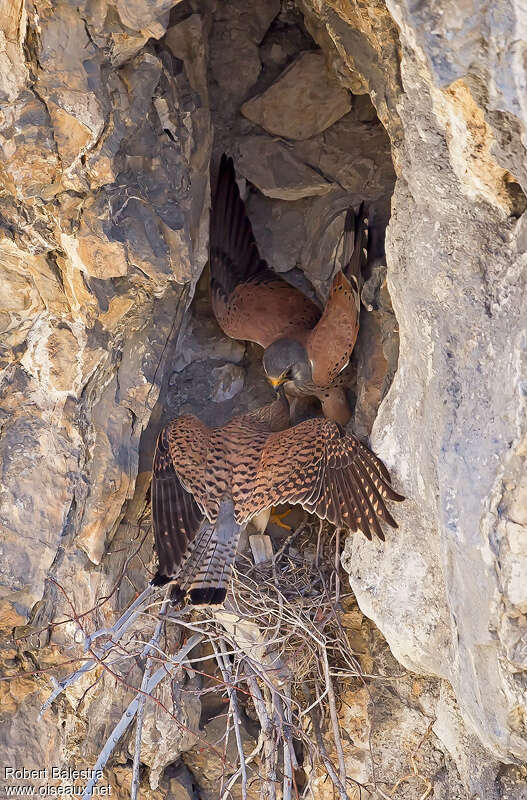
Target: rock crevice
x=112, y=115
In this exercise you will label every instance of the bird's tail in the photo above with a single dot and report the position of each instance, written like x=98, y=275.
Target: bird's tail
x=207, y=566
x=354, y=243
x=211, y=581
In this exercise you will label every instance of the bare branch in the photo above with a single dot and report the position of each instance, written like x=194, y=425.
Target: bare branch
x=223, y=662
x=340, y=787
x=116, y=631
x=128, y=716
x=334, y=718
x=142, y=698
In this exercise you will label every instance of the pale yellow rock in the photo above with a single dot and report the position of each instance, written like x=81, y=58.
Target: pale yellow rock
x=102, y=259
x=48, y=284
x=9, y=615
x=13, y=692
x=125, y=45
x=470, y=141
x=117, y=308
x=64, y=359
x=148, y=16
x=71, y=135
x=69, y=74
x=13, y=69
x=101, y=172
x=20, y=301
x=30, y=163
x=93, y=253
x=120, y=779
x=18, y=295
x=80, y=299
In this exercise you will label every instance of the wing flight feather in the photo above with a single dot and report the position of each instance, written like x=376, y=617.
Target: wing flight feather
x=324, y=470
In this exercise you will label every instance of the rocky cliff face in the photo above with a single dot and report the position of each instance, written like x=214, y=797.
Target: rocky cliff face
x=449, y=591
x=106, y=130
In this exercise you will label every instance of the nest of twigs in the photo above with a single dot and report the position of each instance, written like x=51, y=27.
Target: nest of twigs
x=286, y=649
x=296, y=601
x=280, y=648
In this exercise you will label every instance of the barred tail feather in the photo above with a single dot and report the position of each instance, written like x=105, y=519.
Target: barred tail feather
x=211, y=583
x=206, y=568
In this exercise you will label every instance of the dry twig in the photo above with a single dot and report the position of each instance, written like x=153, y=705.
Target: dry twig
x=279, y=643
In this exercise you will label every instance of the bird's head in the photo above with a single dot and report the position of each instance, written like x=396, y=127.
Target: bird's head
x=286, y=360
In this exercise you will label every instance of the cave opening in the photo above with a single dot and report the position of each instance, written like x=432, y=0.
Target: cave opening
x=305, y=149
x=337, y=155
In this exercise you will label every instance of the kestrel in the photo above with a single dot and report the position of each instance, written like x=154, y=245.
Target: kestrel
x=208, y=483
x=305, y=349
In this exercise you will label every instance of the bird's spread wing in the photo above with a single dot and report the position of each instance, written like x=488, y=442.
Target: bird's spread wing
x=249, y=300
x=327, y=472
x=331, y=342
x=178, y=491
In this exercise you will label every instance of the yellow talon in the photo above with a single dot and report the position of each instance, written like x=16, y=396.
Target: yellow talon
x=276, y=519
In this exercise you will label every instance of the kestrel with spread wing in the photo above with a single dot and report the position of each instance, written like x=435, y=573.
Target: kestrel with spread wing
x=208, y=483
x=305, y=349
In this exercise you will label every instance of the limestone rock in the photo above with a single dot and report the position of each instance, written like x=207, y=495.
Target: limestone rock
x=163, y=739
x=304, y=101
x=354, y=157
x=106, y=140
x=31, y=163
x=204, y=340
x=451, y=428
x=21, y=741
x=208, y=763
x=271, y=167
x=150, y=16
x=208, y=377
x=477, y=770
x=13, y=69
x=238, y=31
x=97, y=222
x=354, y=154
x=71, y=87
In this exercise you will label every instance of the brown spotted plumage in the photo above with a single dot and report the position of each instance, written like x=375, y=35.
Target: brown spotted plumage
x=304, y=348
x=250, y=301
x=208, y=483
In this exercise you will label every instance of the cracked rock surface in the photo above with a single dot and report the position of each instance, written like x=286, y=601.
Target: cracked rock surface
x=111, y=115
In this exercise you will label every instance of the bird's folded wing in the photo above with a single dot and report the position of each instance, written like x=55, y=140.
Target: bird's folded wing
x=332, y=340
x=327, y=472
x=249, y=300
x=177, y=487
x=355, y=245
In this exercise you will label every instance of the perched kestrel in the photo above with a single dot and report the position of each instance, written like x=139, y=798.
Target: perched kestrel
x=305, y=349
x=208, y=483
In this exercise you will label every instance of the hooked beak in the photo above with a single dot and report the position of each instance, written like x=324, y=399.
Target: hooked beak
x=276, y=382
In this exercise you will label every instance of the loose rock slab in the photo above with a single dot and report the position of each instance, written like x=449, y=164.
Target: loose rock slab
x=271, y=167
x=304, y=101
